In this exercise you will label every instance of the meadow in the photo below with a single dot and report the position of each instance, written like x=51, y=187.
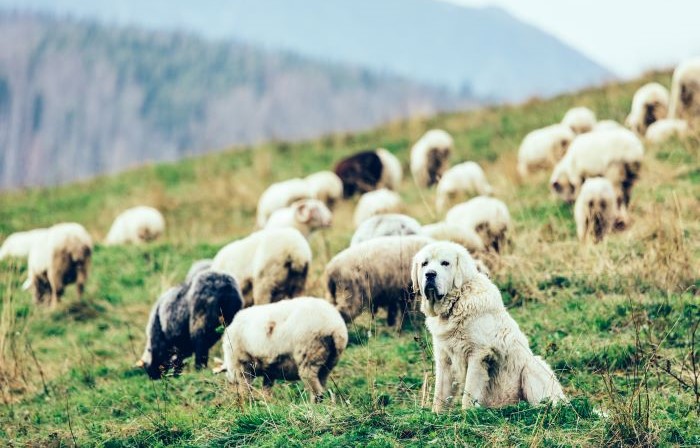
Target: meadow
x=617, y=321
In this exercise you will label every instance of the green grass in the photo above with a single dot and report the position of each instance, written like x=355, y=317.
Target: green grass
x=611, y=319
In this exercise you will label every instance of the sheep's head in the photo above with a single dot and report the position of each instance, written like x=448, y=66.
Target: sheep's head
x=563, y=188
x=312, y=213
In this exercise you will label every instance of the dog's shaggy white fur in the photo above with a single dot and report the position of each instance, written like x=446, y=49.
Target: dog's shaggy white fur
x=461, y=182
x=19, y=244
x=481, y=356
x=376, y=202
x=135, y=226
x=305, y=215
x=579, y=119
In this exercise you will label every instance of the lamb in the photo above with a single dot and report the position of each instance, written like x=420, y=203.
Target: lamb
x=390, y=224
x=369, y=170
x=135, y=226
x=650, y=104
x=19, y=244
x=392, y=173
x=197, y=267
x=488, y=217
x=372, y=275
x=269, y=265
x=595, y=209
x=305, y=215
x=579, y=119
x=375, y=203
x=543, y=148
x=685, y=92
x=301, y=338
x=615, y=154
x=430, y=157
x=463, y=179
x=60, y=257
x=280, y=195
x=185, y=319
x=325, y=186
x=666, y=128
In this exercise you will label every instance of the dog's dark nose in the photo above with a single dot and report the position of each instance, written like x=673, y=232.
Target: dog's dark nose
x=430, y=275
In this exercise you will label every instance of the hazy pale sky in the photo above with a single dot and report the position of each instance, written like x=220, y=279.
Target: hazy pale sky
x=627, y=36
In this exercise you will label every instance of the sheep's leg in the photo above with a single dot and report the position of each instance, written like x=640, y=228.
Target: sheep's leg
x=311, y=380
x=443, y=381
x=391, y=311
x=55, y=286
x=201, y=352
x=476, y=382
x=81, y=280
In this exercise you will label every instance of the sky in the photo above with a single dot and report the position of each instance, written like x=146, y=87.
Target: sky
x=627, y=36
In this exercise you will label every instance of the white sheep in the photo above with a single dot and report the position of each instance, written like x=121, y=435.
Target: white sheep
x=615, y=154
x=543, y=148
x=269, y=265
x=325, y=186
x=604, y=125
x=430, y=157
x=60, y=257
x=685, y=92
x=465, y=179
x=488, y=217
x=280, y=195
x=664, y=129
x=457, y=233
x=390, y=224
x=301, y=338
x=19, y=244
x=595, y=210
x=392, y=173
x=305, y=215
x=649, y=104
x=135, y=226
x=579, y=119
x=376, y=202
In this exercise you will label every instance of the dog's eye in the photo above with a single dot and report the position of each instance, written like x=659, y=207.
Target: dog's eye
x=424, y=264
x=445, y=263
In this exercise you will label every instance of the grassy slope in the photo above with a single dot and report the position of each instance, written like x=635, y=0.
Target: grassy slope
x=597, y=314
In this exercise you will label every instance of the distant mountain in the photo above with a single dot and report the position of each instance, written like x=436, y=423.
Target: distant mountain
x=77, y=99
x=484, y=51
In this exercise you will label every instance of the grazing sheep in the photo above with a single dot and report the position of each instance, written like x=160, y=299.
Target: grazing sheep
x=60, y=257
x=269, y=265
x=376, y=203
x=579, y=119
x=390, y=224
x=543, y=148
x=685, y=92
x=135, y=226
x=664, y=129
x=392, y=173
x=296, y=339
x=372, y=275
x=185, y=319
x=464, y=179
x=325, y=186
x=605, y=125
x=197, y=267
x=595, y=209
x=650, y=104
x=280, y=195
x=367, y=171
x=615, y=154
x=306, y=216
x=19, y=244
x=430, y=157
x=457, y=233
x=488, y=217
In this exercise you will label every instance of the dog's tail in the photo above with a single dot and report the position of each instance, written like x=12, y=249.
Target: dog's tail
x=538, y=382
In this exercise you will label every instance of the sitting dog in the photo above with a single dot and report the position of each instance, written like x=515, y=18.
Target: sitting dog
x=481, y=356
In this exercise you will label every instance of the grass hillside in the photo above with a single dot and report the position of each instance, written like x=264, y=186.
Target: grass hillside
x=617, y=321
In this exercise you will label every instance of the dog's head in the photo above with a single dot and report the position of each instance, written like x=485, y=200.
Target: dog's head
x=439, y=268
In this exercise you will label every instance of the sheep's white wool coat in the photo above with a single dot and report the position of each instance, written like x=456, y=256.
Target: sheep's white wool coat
x=136, y=225
x=579, y=119
x=280, y=195
x=390, y=224
x=664, y=129
x=430, y=157
x=595, y=209
x=19, y=244
x=325, y=186
x=392, y=173
x=543, y=148
x=375, y=203
x=466, y=179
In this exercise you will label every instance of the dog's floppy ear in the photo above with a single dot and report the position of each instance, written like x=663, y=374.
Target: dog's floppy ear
x=464, y=267
x=415, y=266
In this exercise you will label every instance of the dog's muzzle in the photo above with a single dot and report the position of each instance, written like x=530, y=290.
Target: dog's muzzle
x=430, y=289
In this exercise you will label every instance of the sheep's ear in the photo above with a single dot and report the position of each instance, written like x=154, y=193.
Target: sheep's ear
x=415, y=266
x=303, y=213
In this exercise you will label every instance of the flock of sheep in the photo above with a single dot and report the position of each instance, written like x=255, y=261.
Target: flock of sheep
x=254, y=286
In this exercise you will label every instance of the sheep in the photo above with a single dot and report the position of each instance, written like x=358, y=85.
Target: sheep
x=685, y=92
x=375, y=203
x=305, y=215
x=19, y=244
x=269, y=265
x=297, y=339
x=60, y=257
x=457, y=233
x=615, y=154
x=463, y=179
x=579, y=119
x=430, y=157
x=280, y=195
x=488, y=217
x=372, y=275
x=392, y=173
x=543, y=148
x=595, y=209
x=325, y=186
x=369, y=170
x=649, y=104
x=390, y=224
x=197, y=267
x=604, y=125
x=664, y=129
x=135, y=226
x=185, y=320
